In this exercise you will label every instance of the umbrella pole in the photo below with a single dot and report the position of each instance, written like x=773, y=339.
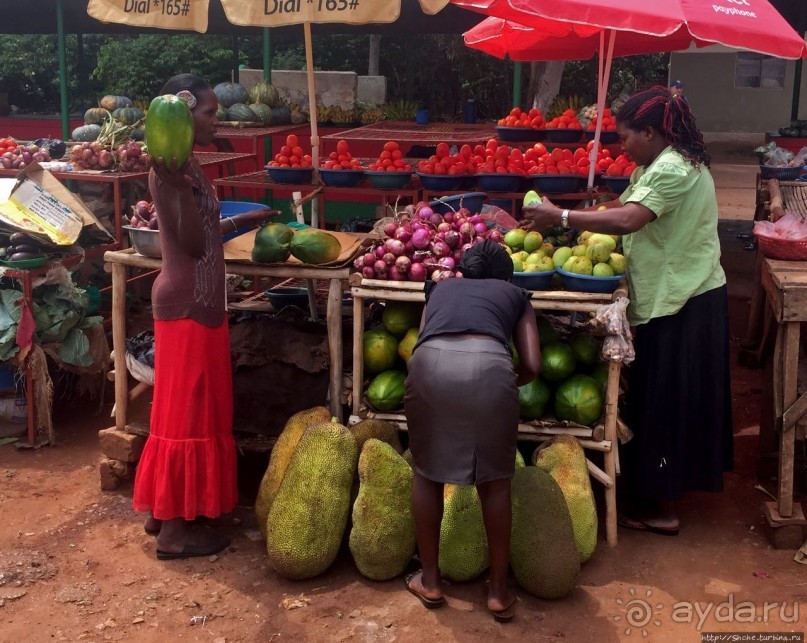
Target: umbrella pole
x=312, y=108
x=602, y=88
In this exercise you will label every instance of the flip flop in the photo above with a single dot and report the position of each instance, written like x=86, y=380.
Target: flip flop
x=505, y=615
x=641, y=525
x=195, y=551
x=428, y=603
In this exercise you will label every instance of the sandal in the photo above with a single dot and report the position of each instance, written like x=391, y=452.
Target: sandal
x=195, y=550
x=428, y=603
x=505, y=615
x=641, y=525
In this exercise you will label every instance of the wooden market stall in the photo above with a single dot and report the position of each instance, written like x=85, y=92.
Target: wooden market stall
x=602, y=438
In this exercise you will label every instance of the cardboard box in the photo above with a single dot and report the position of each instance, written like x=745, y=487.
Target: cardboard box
x=36, y=202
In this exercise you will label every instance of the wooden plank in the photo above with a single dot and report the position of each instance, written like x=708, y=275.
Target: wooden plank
x=611, y=413
x=794, y=413
x=787, y=439
x=773, y=293
x=358, y=356
x=599, y=475
x=119, y=344
x=334, y=318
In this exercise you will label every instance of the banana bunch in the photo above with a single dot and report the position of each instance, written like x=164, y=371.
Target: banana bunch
x=299, y=114
x=562, y=103
x=372, y=115
x=324, y=113
x=339, y=115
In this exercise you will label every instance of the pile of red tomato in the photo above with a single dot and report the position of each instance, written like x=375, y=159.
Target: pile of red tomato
x=391, y=159
x=291, y=155
x=342, y=159
x=516, y=118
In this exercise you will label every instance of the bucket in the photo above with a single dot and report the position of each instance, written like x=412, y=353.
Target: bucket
x=229, y=208
x=469, y=112
x=421, y=116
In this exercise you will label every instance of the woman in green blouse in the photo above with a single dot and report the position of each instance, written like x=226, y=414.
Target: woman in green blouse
x=679, y=396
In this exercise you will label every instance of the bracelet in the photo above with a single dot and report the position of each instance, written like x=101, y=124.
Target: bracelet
x=235, y=226
x=564, y=218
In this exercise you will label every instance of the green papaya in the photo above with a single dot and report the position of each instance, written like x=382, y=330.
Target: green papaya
x=272, y=243
x=314, y=246
x=169, y=129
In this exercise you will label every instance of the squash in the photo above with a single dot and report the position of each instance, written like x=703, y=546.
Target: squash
x=263, y=113
x=128, y=115
x=240, y=112
x=96, y=116
x=169, y=129
x=114, y=102
x=264, y=93
x=231, y=93
x=88, y=132
x=221, y=113
x=138, y=133
x=281, y=116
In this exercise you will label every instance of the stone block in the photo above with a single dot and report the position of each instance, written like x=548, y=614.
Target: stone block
x=372, y=90
x=113, y=472
x=120, y=445
x=331, y=87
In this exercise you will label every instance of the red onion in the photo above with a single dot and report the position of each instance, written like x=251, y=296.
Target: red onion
x=447, y=263
x=390, y=229
x=476, y=218
x=466, y=246
x=463, y=212
x=403, y=264
x=452, y=239
x=420, y=256
x=435, y=219
x=395, y=246
x=480, y=228
x=417, y=225
x=448, y=217
x=396, y=275
x=458, y=221
x=409, y=248
x=443, y=227
x=403, y=234
x=458, y=274
x=142, y=209
x=496, y=236
x=417, y=272
x=358, y=263
x=456, y=255
x=467, y=231
x=368, y=272
x=421, y=204
x=388, y=258
x=440, y=249
x=478, y=240
x=409, y=210
x=425, y=213
x=380, y=269
x=380, y=251
x=420, y=239
x=369, y=259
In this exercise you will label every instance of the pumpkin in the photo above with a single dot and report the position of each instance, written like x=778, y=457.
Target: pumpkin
x=240, y=112
x=281, y=116
x=114, y=102
x=96, y=116
x=169, y=129
x=231, y=93
x=264, y=93
x=221, y=113
x=263, y=113
x=128, y=115
x=138, y=134
x=86, y=132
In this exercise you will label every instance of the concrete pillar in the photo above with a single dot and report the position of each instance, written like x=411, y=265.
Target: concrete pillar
x=375, y=50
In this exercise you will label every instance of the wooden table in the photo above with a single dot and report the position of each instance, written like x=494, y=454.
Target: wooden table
x=261, y=181
x=785, y=286
x=605, y=441
x=122, y=259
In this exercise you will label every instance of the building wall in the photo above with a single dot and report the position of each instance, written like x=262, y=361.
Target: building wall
x=708, y=79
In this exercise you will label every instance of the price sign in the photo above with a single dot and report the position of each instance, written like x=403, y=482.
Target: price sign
x=163, y=14
x=272, y=13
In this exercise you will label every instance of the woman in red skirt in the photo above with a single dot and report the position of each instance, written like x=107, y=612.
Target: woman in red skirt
x=188, y=467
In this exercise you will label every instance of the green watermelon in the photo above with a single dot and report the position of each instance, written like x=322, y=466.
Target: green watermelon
x=386, y=391
x=579, y=399
x=264, y=93
x=557, y=362
x=546, y=334
x=316, y=247
x=600, y=373
x=532, y=399
x=400, y=316
x=240, y=112
x=169, y=129
x=586, y=348
x=272, y=243
x=380, y=350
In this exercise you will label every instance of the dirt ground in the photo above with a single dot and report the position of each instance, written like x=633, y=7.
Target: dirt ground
x=75, y=563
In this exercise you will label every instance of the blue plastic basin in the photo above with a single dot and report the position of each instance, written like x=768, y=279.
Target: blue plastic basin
x=589, y=283
x=291, y=175
x=534, y=280
x=498, y=182
x=558, y=183
x=471, y=200
x=341, y=178
x=439, y=181
x=230, y=208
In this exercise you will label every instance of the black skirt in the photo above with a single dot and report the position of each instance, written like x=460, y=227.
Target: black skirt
x=462, y=410
x=678, y=403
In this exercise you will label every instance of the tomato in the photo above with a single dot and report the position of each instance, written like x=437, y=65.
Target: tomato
x=390, y=146
x=466, y=151
x=291, y=140
x=442, y=150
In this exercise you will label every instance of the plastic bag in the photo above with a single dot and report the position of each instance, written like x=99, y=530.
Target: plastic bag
x=791, y=226
x=500, y=218
x=778, y=157
x=612, y=320
x=801, y=158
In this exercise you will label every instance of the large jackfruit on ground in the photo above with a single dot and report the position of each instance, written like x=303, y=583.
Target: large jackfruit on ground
x=463, y=542
x=382, y=539
x=564, y=459
x=378, y=429
x=543, y=554
x=281, y=456
x=308, y=516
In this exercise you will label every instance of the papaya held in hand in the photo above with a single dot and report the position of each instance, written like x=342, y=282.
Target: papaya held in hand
x=169, y=129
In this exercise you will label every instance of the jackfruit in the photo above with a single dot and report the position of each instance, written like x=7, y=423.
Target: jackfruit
x=543, y=554
x=281, y=456
x=463, y=542
x=382, y=539
x=308, y=516
x=564, y=459
x=379, y=429
x=407, y=455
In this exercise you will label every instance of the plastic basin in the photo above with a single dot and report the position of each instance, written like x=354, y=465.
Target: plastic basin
x=282, y=297
x=589, y=283
x=558, y=183
x=534, y=280
x=616, y=184
x=562, y=135
x=439, y=181
x=608, y=137
x=230, y=208
x=472, y=200
x=291, y=175
x=341, y=178
x=498, y=182
x=521, y=134
x=387, y=180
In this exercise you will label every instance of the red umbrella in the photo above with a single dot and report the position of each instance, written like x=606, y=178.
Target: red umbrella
x=752, y=25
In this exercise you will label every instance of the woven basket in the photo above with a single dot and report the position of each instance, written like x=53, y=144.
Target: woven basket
x=783, y=249
x=781, y=173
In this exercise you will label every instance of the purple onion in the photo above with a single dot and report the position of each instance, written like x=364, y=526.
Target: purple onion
x=409, y=248
x=467, y=231
x=478, y=240
x=409, y=210
x=390, y=229
x=403, y=264
x=396, y=275
x=417, y=225
x=496, y=236
x=417, y=272
x=425, y=213
x=480, y=228
x=457, y=255
x=447, y=263
x=420, y=239
x=380, y=269
x=444, y=227
x=435, y=219
x=476, y=218
x=388, y=258
x=358, y=263
x=440, y=249
x=448, y=217
x=368, y=272
x=395, y=246
x=452, y=239
x=380, y=251
x=466, y=246
x=463, y=212
x=458, y=274
x=369, y=259
x=403, y=234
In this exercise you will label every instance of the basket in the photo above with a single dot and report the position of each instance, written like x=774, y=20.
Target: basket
x=781, y=173
x=783, y=249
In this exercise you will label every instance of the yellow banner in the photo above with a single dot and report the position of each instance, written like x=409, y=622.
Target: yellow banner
x=273, y=13
x=162, y=14
x=432, y=6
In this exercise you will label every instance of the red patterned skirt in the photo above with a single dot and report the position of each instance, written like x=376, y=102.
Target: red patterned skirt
x=188, y=466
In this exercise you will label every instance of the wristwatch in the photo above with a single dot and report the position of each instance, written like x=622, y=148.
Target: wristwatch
x=564, y=218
